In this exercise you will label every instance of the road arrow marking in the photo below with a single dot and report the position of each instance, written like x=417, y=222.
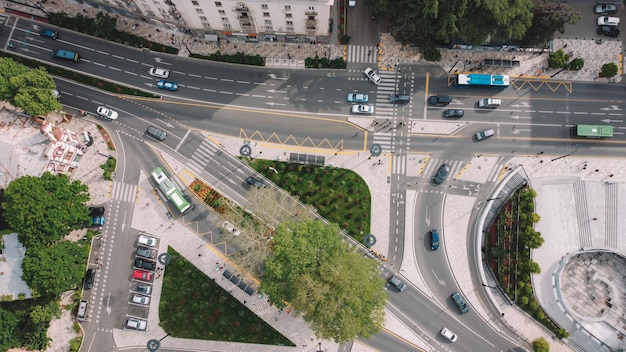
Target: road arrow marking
x=520, y=130
x=609, y=120
x=611, y=107
x=271, y=103
x=165, y=123
x=521, y=105
x=441, y=282
x=109, y=305
x=274, y=76
x=160, y=61
x=124, y=222
x=277, y=91
x=517, y=117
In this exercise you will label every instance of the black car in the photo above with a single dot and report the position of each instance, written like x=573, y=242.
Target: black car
x=442, y=174
x=453, y=113
x=156, y=133
x=145, y=264
x=90, y=277
x=255, y=182
x=96, y=211
x=145, y=252
x=609, y=31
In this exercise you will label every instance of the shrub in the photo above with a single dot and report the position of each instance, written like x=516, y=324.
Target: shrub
x=577, y=64
x=432, y=54
x=541, y=345
x=608, y=70
x=558, y=59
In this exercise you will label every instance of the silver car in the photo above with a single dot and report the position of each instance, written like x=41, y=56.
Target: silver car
x=362, y=109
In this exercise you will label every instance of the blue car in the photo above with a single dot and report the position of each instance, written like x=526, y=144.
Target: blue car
x=357, y=98
x=48, y=33
x=98, y=220
x=167, y=85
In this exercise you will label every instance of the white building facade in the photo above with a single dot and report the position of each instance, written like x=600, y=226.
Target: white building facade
x=269, y=20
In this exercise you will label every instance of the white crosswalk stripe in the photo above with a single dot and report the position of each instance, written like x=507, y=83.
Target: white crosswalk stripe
x=385, y=140
x=124, y=192
x=201, y=157
x=362, y=54
x=432, y=165
x=400, y=164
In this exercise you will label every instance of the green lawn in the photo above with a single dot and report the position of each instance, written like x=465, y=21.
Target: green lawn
x=340, y=195
x=194, y=306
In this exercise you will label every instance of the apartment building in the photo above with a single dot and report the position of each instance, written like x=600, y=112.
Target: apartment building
x=264, y=20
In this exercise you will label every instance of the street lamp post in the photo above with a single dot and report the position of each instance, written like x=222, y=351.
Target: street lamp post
x=566, y=155
x=498, y=197
x=485, y=285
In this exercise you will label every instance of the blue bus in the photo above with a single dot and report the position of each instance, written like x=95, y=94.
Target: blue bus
x=482, y=79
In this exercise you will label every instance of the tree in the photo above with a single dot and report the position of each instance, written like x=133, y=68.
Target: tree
x=541, y=345
x=427, y=23
x=338, y=291
x=608, y=70
x=44, y=209
x=29, y=89
x=54, y=269
x=558, y=59
x=577, y=64
x=549, y=17
x=531, y=267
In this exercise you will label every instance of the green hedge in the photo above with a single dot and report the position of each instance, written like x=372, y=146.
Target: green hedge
x=238, y=58
x=316, y=62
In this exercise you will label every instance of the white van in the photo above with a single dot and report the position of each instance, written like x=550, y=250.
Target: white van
x=489, y=103
x=82, y=311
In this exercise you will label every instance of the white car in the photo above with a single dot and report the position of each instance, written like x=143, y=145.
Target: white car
x=608, y=21
x=448, y=334
x=141, y=300
x=159, y=72
x=107, y=113
x=352, y=3
x=362, y=109
x=136, y=324
x=147, y=240
x=372, y=75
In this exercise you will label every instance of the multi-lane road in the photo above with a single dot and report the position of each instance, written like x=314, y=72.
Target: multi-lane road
x=310, y=105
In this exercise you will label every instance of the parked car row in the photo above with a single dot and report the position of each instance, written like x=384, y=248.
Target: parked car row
x=607, y=25
x=143, y=273
x=445, y=100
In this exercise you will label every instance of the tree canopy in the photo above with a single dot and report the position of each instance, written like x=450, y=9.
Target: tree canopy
x=26, y=88
x=338, y=291
x=44, y=209
x=51, y=270
x=426, y=23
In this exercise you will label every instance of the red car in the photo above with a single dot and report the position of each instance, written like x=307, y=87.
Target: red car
x=142, y=275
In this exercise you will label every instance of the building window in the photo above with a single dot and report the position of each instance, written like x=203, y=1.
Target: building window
x=195, y=3
x=224, y=19
x=311, y=8
x=287, y=7
x=199, y=11
x=226, y=26
x=290, y=23
x=269, y=29
x=266, y=14
x=206, y=24
x=288, y=15
x=268, y=22
x=202, y=18
x=221, y=12
x=264, y=6
x=218, y=4
x=289, y=29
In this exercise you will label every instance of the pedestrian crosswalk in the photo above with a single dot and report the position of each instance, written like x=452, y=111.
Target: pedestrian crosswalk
x=124, y=192
x=475, y=169
x=386, y=141
x=362, y=54
x=201, y=157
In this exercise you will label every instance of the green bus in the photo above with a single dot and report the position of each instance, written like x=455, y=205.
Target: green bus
x=593, y=131
x=173, y=194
